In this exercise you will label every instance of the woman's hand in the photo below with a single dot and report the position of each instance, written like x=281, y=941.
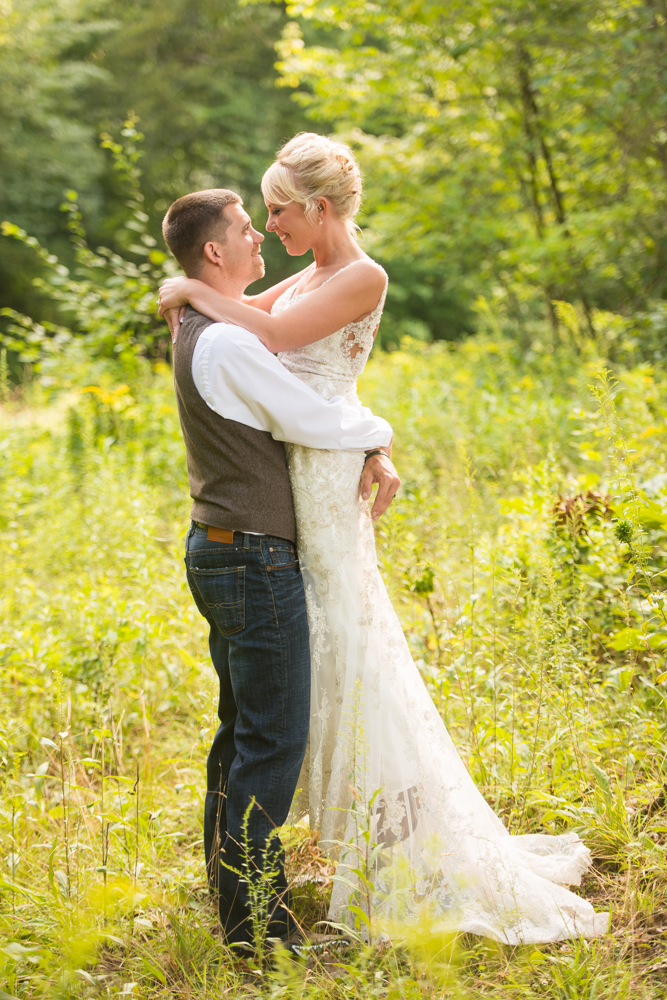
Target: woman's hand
x=174, y=318
x=174, y=293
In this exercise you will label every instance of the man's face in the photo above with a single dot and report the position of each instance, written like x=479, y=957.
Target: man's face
x=241, y=251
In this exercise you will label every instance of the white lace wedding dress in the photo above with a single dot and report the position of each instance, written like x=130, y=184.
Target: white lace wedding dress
x=374, y=726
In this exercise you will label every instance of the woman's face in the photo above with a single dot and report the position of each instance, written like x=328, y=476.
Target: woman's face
x=290, y=223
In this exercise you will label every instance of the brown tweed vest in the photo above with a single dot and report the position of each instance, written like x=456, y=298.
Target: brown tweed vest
x=238, y=475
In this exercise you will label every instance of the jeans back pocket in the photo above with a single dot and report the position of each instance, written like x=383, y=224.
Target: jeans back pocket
x=223, y=593
x=281, y=557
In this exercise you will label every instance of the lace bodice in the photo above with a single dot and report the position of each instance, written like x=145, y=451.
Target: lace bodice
x=331, y=366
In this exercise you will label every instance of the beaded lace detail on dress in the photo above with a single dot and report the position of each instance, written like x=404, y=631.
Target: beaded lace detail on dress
x=374, y=726
x=332, y=365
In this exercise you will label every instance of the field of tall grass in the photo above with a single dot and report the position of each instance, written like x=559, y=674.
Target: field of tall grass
x=525, y=555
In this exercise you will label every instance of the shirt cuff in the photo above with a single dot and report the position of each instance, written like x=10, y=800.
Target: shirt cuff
x=386, y=431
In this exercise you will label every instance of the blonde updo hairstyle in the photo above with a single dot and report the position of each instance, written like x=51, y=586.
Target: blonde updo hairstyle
x=309, y=167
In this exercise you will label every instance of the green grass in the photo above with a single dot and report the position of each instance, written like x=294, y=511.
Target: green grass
x=542, y=643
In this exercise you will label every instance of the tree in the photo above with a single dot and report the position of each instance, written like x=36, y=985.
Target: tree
x=45, y=146
x=199, y=76
x=517, y=147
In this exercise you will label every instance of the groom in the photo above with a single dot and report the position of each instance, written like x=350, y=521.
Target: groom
x=237, y=404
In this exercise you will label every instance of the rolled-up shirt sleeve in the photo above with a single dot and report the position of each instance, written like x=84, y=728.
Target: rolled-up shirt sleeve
x=241, y=380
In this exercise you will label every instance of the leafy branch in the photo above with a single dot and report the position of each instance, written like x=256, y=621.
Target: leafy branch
x=109, y=299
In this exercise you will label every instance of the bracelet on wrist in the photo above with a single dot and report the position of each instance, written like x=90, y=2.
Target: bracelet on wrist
x=376, y=451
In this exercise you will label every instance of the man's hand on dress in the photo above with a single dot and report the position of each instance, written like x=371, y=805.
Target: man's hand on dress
x=379, y=469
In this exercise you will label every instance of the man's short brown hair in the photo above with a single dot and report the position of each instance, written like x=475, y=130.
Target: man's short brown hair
x=192, y=221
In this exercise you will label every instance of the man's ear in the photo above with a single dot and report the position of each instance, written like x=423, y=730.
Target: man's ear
x=213, y=253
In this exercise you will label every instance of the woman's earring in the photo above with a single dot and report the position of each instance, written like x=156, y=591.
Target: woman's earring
x=320, y=220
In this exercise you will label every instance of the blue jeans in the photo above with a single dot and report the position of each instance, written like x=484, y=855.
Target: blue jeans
x=251, y=593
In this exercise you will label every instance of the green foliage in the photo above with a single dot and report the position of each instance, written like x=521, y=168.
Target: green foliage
x=112, y=300
x=514, y=155
x=46, y=144
x=516, y=150
x=200, y=76
x=513, y=612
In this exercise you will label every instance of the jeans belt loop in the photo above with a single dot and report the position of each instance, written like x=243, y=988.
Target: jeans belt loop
x=246, y=540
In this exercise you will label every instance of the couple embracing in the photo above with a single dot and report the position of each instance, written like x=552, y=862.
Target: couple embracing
x=322, y=709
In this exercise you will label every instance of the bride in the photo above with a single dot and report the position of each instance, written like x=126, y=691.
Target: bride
x=380, y=759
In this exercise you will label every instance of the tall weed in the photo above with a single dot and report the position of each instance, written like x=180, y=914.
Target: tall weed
x=533, y=616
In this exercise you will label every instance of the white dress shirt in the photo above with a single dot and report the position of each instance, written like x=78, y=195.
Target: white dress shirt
x=241, y=380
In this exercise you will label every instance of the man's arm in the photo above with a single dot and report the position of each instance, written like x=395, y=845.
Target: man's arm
x=241, y=380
